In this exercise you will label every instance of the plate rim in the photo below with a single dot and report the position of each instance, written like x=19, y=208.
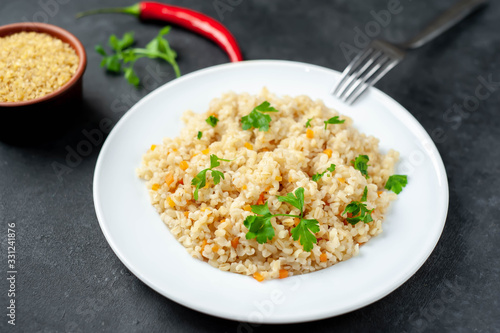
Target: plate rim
x=419, y=129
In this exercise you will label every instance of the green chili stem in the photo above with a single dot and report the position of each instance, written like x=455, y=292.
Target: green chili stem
x=131, y=10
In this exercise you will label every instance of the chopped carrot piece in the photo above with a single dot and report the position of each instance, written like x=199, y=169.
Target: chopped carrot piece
x=342, y=180
x=184, y=165
x=279, y=178
x=248, y=208
x=244, y=187
x=155, y=187
x=235, y=242
x=170, y=202
x=310, y=133
x=328, y=152
x=203, y=244
x=248, y=146
x=283, y=273
x=186, y=214
x=261, y=199
x=323, y=257
x=257, y=276
x=215, y=248
x=181, y=182
x=379, y=193
x=153, y=147
x=205, y=151
x=169, y=179
x=296, y=221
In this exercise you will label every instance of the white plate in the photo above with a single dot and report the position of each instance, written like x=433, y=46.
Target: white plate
x=144, y=244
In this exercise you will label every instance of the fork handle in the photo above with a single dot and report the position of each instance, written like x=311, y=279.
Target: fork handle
x=445, y=21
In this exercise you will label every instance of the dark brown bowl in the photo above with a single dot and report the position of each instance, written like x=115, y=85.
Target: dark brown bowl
x=17, y=117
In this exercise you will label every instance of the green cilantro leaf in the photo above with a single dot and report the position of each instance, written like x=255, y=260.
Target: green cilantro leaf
x=360, y=163
x=212, y=121
x=200, y=134
x=157, y=48
x=295, y=199
x=359, y=212
x=259, y=227
x=200, y=180
x=261, y=209
x=395, y=183
x=365, y=194
x=305, y=231
x=334, y=120
x=308, y=124
x=131, y=76
x=257, y=119
x=318, y=175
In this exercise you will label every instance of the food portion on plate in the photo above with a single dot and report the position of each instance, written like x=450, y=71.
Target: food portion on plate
x=34, y=64
x=271, y=186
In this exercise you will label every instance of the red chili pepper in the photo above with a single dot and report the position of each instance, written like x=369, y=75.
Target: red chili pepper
x=186, y=18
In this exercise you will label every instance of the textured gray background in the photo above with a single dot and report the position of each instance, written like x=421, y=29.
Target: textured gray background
x=69, y=279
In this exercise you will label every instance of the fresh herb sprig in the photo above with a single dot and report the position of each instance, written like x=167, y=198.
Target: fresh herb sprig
x=258, y=119
x=395, y=183
x=259, y=226
x=212, y=120
x=358, y=210
x=308, y=123
x=318, y=175
x=200, y=180
x=361, y=164
x=333, y=120
x=200, y=134
x=125, y=56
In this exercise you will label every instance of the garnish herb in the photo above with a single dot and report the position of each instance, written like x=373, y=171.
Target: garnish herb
x=308, y=124
x=333, y=120
x=318, y=175
x=361, y=164
x=200, y=134
x=358, y=210
x=212, y=121
x=200, y=180
x=395, y=183
x=257, y=119
x=125, y=54
x=260, y=227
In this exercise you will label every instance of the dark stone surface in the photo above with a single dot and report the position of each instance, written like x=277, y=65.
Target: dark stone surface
x=69, y=280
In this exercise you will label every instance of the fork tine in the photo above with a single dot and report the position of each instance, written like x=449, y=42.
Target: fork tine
x=351, y=67
x=388, y=66
x=358, y=73
x=369, y=72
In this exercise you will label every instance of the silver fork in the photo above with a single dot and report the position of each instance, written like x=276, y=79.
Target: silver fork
x=371, y=64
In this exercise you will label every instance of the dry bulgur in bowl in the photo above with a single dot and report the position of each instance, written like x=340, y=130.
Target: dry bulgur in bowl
x=247, y=173
x=39, y=62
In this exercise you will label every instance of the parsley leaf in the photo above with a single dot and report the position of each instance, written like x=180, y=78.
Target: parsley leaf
x=358, y=210
x=305, y=231
x=318, y=175
x=212, y=121
x=360, y=163
x=200, y=134
x=123, y=52
x=260, y=227
x=295, y=199
x=395, y=183
x=308, y=124
x=257, y=119
x=334, y=120
x=200, y=180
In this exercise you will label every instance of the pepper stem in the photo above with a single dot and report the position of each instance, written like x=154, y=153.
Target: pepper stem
x=131, y=10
